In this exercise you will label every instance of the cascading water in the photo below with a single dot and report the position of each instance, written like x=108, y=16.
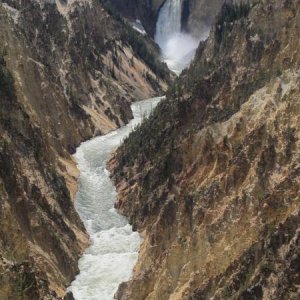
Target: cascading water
x=114, y=247
x=178, y=48
x=169, y=20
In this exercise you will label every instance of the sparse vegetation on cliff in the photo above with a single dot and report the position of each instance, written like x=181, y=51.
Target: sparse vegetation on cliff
x=230, y=13
x=214, y=180
x=142, y=46
x=137, y=42
x=65, y=77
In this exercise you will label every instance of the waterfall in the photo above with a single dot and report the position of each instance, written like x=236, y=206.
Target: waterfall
x=178, y=48
x=169, y=20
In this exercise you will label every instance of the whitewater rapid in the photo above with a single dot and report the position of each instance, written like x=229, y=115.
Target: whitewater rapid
x=114, y=246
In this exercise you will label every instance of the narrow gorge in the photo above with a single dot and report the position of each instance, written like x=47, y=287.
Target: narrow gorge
x=114, y=247
x=191, y=194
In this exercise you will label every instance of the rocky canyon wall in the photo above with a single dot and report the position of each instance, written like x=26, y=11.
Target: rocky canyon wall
x=212, y=178
x=68, y=71
x=146, y=11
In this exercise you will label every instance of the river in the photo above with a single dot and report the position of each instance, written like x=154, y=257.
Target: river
x=114, y=246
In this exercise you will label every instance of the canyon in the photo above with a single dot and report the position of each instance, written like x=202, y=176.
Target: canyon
x=208, y=180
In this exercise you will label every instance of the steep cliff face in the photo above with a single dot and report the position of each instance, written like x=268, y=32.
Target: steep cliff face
x=68, y=72
x=200, y=15
x=212, y=179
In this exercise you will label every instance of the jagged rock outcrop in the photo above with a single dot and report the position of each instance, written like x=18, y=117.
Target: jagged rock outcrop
x=68, y=72
x=212, y=178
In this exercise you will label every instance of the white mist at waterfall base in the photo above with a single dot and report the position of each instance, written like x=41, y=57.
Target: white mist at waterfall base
x=178, y=50
x=114, y=246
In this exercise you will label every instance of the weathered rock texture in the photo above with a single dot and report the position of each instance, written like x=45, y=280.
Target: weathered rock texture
x=68, y=72
x=212, y=179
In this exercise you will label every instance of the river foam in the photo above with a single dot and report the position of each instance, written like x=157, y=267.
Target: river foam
x=114, y=246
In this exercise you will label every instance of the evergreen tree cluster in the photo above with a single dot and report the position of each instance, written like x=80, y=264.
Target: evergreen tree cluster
x=142, y=46
x=137, y=42
x=6, y=80
x=230, y=13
